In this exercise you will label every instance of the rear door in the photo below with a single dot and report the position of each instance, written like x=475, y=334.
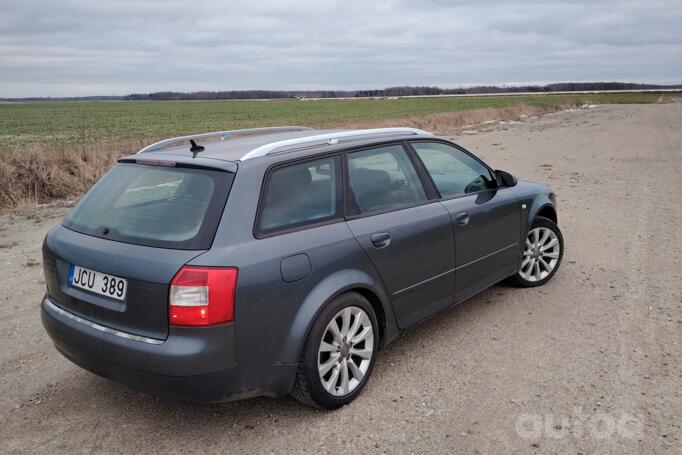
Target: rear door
x=485, y=219
x=140, y=224
x=407, y=237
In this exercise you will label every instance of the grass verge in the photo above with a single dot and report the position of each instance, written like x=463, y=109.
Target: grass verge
x=53, y=151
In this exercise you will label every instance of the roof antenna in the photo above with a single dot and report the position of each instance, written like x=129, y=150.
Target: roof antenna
x=195, y=148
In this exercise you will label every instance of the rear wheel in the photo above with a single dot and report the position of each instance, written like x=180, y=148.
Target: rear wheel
x=339, y=353
x=542, y=254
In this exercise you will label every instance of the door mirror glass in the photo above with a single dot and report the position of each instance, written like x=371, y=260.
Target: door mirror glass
x=505, y=179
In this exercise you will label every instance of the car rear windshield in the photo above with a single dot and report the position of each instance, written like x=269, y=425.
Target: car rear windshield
x=156, y=206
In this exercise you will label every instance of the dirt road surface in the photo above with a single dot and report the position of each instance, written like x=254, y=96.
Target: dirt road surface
x=589, y=363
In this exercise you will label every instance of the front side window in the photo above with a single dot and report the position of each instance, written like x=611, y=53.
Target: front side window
x=383, y=179
x=301, y=194
x=453, y=171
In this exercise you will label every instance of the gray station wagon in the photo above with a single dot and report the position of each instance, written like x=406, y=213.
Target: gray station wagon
x=277, y=261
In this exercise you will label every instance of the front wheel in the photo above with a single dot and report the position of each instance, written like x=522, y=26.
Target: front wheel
x=339, y=353
x=542, y=254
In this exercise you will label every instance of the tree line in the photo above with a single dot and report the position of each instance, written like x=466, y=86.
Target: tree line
x=392, y=91
x=385, y=92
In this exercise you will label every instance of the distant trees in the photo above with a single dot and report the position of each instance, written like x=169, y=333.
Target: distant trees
x=390, y=91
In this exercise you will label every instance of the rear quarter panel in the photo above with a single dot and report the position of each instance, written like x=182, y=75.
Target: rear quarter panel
x=273, y=316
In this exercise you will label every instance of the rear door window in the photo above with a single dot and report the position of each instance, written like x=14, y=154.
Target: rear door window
x=301, y=194
x=154, y=206
x=383, y=179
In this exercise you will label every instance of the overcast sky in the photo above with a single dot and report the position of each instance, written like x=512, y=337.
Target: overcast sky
x=101, y=47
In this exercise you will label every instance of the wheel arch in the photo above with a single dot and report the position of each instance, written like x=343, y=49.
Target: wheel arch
x=539, y=204
x=377, y=306
x=547, y=211
x=340, y=282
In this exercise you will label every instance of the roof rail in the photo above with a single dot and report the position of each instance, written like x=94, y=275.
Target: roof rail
x=223, y=135
x=330, y=139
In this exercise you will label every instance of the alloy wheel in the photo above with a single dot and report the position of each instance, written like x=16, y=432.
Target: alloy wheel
x=541, y=254
x=346, y=351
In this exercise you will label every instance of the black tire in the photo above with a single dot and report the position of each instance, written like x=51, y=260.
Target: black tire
x=308, y=387
x=517, y=279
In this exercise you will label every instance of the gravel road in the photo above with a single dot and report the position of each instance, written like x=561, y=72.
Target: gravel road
x=589, y=363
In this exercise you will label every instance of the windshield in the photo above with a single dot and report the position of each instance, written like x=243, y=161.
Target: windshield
x=158, y=206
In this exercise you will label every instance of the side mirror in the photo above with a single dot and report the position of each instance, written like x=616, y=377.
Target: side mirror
x=505, y=179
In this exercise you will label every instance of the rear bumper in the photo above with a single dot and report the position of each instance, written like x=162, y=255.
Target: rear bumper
x=193, y=364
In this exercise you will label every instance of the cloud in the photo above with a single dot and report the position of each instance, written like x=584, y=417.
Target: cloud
x=81, y=47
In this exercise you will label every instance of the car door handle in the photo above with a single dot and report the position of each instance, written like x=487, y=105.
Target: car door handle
x=462, y=218
x=381, y=240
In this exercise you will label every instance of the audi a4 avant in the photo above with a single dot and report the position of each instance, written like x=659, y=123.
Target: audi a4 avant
x=279, y=261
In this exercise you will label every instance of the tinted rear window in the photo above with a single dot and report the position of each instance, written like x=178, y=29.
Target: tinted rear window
x=154, y=206
x=301, y=194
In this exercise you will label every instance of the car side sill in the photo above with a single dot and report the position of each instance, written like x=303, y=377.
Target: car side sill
x=486, y=256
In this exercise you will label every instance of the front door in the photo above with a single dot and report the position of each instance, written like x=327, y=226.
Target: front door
x=486, y=227
x=485, y=219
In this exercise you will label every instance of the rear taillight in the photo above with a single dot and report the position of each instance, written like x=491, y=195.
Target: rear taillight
x=202, y=295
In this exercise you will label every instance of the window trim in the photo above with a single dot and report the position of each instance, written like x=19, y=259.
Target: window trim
x=427, y=183
x=463, y=150
x=265, y=185
x=347, y=193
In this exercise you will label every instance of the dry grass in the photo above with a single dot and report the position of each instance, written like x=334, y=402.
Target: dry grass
x=446, y=123
x=666, y=99
x=37, y=175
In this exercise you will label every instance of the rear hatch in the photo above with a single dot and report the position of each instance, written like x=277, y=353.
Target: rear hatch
x=115, y=254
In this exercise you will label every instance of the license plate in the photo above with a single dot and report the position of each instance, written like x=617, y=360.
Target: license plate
x=98, y=282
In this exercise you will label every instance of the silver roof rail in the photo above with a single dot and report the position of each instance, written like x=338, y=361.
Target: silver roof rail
x=330, y=138
x=222, y=134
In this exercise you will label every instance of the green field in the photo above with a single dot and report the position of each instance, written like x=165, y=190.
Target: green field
x=57, y=125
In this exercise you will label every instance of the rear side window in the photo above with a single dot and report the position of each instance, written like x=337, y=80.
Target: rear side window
x=301, y=194
x=154, y=206
x=453, y=171
x=383, y=179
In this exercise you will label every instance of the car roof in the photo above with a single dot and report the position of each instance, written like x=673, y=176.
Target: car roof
x=241, y=145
